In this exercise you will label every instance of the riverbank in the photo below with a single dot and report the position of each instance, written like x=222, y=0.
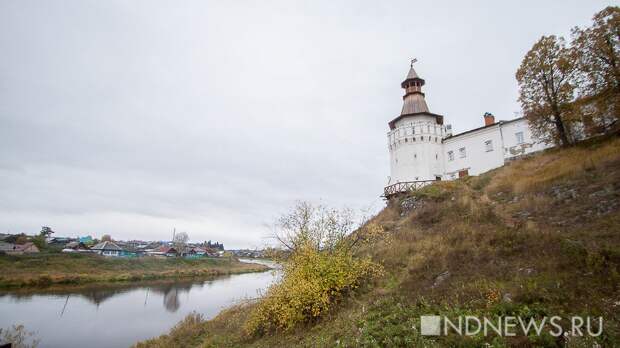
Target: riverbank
x=47, y=270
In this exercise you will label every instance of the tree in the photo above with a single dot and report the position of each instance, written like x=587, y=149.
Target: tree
x=106, y=238
x=546, y=89
x=46, y=231
x=180, y=241
x=597, y=51
x=323, y=228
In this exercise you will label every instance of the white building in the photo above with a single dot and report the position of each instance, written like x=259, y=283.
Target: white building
x=422, y=148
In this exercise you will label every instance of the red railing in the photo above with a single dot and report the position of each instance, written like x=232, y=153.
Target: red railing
x=406, y=186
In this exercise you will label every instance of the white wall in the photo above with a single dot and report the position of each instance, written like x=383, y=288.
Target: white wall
x=477, y=159
x=512, y=148
x=415, y=149
x=428, y=157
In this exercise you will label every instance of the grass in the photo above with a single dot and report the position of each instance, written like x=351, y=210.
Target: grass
x=44, y=270
x=538, y=237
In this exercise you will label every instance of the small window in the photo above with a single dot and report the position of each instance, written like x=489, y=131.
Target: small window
x=415, y=155
x=428, y=129
x=462, y=153
x=519, y=136
x=436, y=156
x=406, y=140
x=413, y=138
x=412, y=130
x=450, y=155
x=488, y=145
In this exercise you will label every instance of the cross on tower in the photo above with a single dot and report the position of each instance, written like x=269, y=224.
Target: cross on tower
x=413, y=60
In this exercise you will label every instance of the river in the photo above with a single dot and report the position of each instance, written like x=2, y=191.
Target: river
x=120, y=315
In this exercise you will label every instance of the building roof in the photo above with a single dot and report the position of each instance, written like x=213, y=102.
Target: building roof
x=166, y=250
x=483, y=127
x=414, y=103
x=107, y=245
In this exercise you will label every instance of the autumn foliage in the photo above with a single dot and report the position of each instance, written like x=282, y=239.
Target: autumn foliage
x=571, y=90
x=320, y=268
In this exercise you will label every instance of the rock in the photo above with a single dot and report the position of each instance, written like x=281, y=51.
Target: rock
x=527, y=270
x=441, y=278
x=408, y=204
x=564, y=193
x=507, y=297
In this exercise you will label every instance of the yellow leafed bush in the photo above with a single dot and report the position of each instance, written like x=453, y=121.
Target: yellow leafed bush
x=312, y=282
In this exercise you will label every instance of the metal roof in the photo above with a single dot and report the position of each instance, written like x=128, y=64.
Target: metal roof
x=106, y=246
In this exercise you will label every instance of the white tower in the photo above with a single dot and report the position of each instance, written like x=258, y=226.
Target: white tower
x=415, y=137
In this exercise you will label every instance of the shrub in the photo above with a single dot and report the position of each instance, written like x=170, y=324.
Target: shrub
x=321, y=268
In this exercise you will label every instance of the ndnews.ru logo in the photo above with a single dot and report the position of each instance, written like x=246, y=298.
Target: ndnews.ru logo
x=431, y=325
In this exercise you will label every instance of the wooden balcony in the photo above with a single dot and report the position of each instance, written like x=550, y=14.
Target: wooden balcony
x=403, y=187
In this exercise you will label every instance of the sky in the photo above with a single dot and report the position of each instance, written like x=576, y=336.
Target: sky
x=133, y=118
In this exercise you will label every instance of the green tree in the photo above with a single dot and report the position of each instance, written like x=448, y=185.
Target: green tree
x=597, y=51
x=546, y=89
x=106, y=238
x=46, y=231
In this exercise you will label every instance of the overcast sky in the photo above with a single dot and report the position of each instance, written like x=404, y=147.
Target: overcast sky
x=135, y=117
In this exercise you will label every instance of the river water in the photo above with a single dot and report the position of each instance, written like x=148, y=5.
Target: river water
x=123, y=314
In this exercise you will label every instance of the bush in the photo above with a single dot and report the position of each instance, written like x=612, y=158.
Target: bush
x=321, y=268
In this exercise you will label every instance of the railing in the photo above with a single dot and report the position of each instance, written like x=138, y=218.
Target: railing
x=406, y=186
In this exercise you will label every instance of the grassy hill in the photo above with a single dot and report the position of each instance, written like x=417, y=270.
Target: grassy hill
x=537, y=237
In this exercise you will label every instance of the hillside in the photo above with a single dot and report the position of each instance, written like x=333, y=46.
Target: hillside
x=538, y=237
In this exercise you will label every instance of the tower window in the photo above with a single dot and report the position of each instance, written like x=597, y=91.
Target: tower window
x=462, y=153
x=436, y=156
x=413, y=138
x=415, y=155
x=450, y=155
x=488, y=145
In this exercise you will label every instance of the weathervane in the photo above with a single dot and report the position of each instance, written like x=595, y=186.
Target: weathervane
x=413, y=60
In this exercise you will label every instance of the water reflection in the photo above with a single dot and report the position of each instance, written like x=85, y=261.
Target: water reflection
x=67, y=317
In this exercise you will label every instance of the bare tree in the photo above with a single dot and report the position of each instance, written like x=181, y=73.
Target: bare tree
x=180, y=241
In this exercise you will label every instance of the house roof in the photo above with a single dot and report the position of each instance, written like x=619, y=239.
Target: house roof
x=107, y=245
x=483, y=127
x=166, y=249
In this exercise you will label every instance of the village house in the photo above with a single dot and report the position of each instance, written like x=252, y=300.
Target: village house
x=18, y=249
x=107, y=248
x=163, y=250
x=76, y=247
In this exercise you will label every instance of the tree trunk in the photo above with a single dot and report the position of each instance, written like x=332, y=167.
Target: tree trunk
x=559, y=125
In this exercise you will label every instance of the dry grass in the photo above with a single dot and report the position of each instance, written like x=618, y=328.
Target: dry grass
x=534, y=174
x=187, y=333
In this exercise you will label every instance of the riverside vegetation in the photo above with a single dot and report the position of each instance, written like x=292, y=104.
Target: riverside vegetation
x=54, y=269
x=537, y=237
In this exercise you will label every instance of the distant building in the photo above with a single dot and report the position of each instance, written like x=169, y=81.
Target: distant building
x=88, y=240
x=423, y=149
x=107, y=248
x=163, y=250
x=18, y=249
x=76, y=247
